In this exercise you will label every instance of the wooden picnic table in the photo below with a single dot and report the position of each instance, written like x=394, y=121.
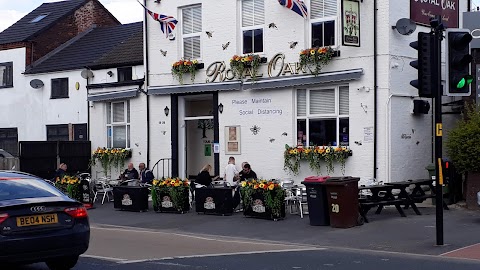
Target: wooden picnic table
x=417, y=194
x=376, y=200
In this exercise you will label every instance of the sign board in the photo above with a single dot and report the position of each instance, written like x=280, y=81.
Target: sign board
x=422, y=10
x=471, y=21
x=351, y=22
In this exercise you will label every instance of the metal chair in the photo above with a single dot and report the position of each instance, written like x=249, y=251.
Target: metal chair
x=101, y=187
x=302, y=200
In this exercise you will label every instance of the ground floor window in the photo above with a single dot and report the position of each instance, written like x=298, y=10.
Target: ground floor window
x=9, y=140
x=118, y=124
x=323, y=116
x=58, y=133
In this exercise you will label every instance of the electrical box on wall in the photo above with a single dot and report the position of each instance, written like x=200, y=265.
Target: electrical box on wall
x=421, y=107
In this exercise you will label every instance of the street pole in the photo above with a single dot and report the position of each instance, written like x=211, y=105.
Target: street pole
x=438, y=90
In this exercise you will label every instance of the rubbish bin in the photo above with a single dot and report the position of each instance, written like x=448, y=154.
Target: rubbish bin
x=342, y=196
x=317, y=200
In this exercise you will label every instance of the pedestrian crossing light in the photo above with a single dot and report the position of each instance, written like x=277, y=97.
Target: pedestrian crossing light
x=458, y=59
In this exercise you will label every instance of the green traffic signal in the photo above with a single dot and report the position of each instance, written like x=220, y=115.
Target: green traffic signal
x=465, y=81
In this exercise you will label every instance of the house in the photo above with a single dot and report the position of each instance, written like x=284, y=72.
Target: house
x=360, y=100
x=46, y=108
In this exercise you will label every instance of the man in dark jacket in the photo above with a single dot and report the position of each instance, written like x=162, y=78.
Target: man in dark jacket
x=247, y=173
x=129, y=173
x=146, y=176
x=61, y=172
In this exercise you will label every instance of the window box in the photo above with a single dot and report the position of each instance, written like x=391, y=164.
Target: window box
x=316, y=58
x=241, y=64
x=182, y=66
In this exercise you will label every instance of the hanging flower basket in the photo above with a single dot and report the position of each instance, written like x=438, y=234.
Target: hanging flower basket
x=182, y=66
x=316, y=58
x=315, y=155
x=110, y=156
x=239, y=63
x=70, y=185
x=263, y=199
x=171, y=195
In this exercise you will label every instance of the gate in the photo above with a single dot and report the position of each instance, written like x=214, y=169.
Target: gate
x=42, y=158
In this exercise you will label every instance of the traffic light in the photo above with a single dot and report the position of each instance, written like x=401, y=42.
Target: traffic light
x=458, y=58
x=425, y=64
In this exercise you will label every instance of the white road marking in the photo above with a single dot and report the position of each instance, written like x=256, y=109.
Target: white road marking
x=102, y=258
x=458, y=249
x=219, y=254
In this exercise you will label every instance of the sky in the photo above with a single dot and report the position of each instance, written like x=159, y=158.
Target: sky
x=126, y=11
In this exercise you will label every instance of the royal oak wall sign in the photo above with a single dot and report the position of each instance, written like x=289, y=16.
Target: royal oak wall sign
x=422, y=10
x=219, y=72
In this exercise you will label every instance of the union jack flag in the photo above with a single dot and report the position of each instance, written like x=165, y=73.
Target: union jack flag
x=167, y=23
x=297, y=6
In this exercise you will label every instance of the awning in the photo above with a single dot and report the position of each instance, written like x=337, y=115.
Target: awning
x=194, y=88
x=124, y=94
x=293, y=81
x=268, y=83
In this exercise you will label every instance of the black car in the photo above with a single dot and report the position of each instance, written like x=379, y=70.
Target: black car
x=38, y=223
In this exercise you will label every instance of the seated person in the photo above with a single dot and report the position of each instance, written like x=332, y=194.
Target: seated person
x=247, y=173
x=61, y=172
x=129, y=173
x=204, y=177
x=146, y=176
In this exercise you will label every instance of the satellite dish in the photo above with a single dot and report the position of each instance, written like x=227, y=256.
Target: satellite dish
x=405, y=26
x=86, y=74
x=36, y=83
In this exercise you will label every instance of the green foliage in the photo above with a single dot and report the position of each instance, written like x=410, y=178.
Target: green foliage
x=463, y=142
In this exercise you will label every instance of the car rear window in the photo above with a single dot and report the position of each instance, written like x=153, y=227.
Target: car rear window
x=26, y=188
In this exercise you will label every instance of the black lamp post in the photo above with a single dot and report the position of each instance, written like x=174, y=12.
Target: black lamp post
x=166, y=110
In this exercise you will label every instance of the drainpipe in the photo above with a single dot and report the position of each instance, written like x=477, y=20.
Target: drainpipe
x=375, y=88
x=145, y=64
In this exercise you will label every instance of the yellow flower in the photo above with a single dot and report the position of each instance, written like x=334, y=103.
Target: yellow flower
x=312, y=52
x=155, y=182
x=271, y=186
x=195, y=61
x=172, y=182
x=244, y=184
x=255, y=186
x=328, y=150
x=162, y=183
x=262, y=185
x=177, y=184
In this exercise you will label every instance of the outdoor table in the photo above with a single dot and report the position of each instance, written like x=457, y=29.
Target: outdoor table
x=132, y=198
x=417, y=195
x=209, y=200
x=375, y=200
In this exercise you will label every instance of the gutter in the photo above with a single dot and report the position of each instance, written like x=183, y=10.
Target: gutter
x=375, y=88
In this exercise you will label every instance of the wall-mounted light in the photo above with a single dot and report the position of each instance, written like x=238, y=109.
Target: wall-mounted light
x=110, y=73
x=166, y=110
x=220, y=108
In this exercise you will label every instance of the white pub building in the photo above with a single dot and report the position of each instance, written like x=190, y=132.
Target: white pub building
x=361, y=99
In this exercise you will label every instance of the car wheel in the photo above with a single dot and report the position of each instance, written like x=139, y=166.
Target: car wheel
x=64, y=263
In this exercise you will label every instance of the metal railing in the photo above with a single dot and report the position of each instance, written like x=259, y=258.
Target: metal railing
x=157, y=165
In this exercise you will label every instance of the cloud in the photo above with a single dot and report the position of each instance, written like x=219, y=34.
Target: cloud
x=9, y=17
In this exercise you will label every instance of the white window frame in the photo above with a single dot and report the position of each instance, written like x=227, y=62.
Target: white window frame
x=324, y=19
x=126, y=123
x=331, y=116
x=184, y=36
x=253, y=27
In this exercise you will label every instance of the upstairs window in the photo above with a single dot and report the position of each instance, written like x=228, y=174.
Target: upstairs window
x=191, y=31
x=6, y=75
x=124, y=74
x=253, y=22
x=59, y=88
x=323, y=15
x=39, y=18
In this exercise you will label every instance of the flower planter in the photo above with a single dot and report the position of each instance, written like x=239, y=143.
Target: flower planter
x=263, y=199
x=171, y=195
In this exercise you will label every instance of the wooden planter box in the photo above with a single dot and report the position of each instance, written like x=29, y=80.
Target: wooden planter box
x=164, y=204
x=258, y=209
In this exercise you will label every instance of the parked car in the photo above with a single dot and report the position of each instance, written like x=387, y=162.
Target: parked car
x=38, y=223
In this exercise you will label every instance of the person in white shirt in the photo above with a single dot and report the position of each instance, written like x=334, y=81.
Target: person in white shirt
x=231, y=172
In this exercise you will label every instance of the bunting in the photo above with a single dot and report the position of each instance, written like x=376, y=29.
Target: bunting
x=167, y=23
x=297, y=6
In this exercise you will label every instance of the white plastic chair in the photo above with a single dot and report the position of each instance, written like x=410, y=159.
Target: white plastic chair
x=101, y=187
x=302, y=200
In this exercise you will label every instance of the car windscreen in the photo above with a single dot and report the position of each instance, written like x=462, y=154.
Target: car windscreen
x=26, y=188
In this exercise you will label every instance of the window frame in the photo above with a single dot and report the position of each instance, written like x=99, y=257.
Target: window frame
x=9, y=67
x=250, y=28
x=197, y=34
x=39, y=17
x=110, y=124
x=327, y=116
x=7, y=137
x=59, y=96
x=57, y=127
x=335, y=19
x=122, y=70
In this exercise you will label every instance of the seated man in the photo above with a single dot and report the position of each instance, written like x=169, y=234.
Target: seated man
x=247, y=173
x=146, y=176
x=129, y=173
